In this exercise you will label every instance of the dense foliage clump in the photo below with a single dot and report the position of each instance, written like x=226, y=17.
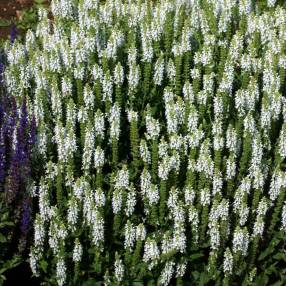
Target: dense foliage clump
x=161, y=141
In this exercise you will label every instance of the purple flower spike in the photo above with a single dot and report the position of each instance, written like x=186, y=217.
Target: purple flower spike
x=13, y=34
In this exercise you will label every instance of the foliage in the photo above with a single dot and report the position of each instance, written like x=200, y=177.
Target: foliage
x=161, y=141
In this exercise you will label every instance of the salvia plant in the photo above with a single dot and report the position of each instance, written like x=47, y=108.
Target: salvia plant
x=17, y=138
x=161, y=140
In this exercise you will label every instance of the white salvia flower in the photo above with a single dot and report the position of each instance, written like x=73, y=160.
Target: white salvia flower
x=71, y=114
x=262, y=207
x=122, y=179
x=152, y=194
x=88, y=148
x=88, y=205
x=66, y=86
x=88, y=97
x=164, y=168
x=151, y=253
x=99, y=124
x=240, y=240
x=116, y=201
x=132, y=115
x=152, y=126
x=204, y=162
x=33, y=260
x=39, y=233
x=244, y=7
x=217, y=183
x=130, y=202
x=277, y=182
x=193, y=119
x=171, y=70
x=194, y=220
x=189, y=195
x=133, y=76
x=98, y=158
x=61, y=269
x=159, y=71
x=173, y=198
x=230, y=167
x=188, y=92
x=79, y=72
x=107, y=87
x=44, y=202
x=132, y=54
x=179, y=239
x=82, y=115
x=174, y=112
x=77, y=251
x=145, y=181
x=57, y=233
x=118, y=268
x=258, y=227
x=118, y=74
x=140, y=232
x=283, y=217
x=97, y=227
x=130, y=234
x=97, y=72
x=147, y=50
x=228, y=262
x=271, y=3
x=205, y=197
x=218, y=106
x=282, y=142
x=114, y=121
x=214, y=236
x=144, y=152
x=99, y=198
x=243, y=213
x=167, y=273
x=231, y=139
x=181, y=269
x=167, y=243
x=163, y=148
x=79, y=186
x=73, y=211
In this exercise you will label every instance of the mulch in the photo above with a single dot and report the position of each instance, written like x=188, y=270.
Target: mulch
x=10, y=10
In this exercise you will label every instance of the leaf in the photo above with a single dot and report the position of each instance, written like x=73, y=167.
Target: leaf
x=195, y=256
x=92, y=282
x=44, y=265
x=271, y=269
x=3, y=239
x=266, y=252
x=137, y=283
x=5, y=23
x=279, y=256
x=278, y=283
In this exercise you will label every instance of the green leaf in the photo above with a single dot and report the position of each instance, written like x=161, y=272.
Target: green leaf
x=5, y=23
x=195, y=256
x=92, y=282
x=279, y=256
x=266, y=252
x=137, y=283
x=278, y=283
x=44, y=265
x=3, y=239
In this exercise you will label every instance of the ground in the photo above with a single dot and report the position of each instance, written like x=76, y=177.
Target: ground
x=11, y=10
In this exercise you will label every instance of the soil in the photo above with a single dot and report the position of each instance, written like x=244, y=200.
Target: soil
x=10, y=10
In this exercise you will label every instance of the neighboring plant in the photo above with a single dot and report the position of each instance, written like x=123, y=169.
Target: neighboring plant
x=17, y=137
x=161, y=141
x=28, y=17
